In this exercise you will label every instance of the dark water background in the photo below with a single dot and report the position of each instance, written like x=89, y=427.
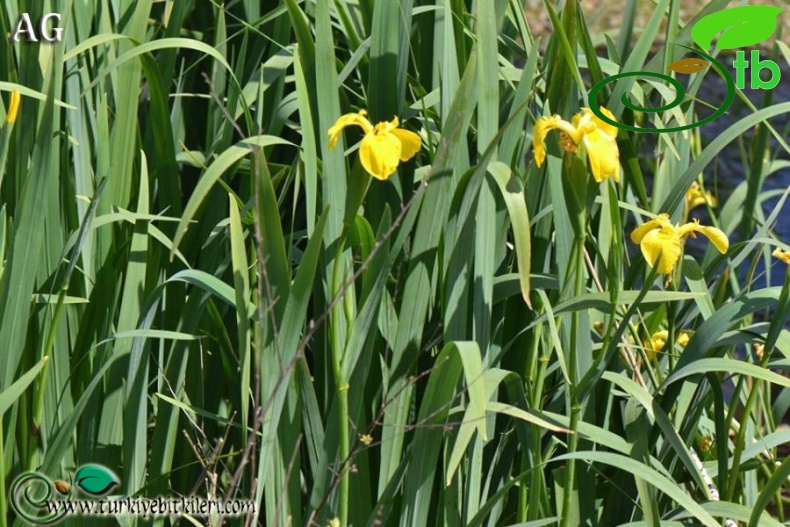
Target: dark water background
x=729, y=168
x=729, y=164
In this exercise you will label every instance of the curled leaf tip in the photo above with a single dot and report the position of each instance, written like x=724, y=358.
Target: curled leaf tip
x=527, y=301
x=689, y=65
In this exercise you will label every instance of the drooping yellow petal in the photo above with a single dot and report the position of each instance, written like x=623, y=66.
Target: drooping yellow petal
x=639, y=232
x=661, y=249
x=716, y=236
x=542, y=127
x=410, y=143
x=574, y=133
x=380, y=154
x=603, y=154
x=349, y=119
x=683, y=339
x=13, y=107
x=782, y=255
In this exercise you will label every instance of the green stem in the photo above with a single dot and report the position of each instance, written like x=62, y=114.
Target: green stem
x=573, y=443
x=341, y=385
x=342, y=394
x=575, y=406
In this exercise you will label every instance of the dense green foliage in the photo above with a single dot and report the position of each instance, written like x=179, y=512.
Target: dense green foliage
x=196, y=292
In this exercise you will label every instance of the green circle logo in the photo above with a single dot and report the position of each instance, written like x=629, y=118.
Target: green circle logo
x=30, y=495
x=680, y=95
x=736, y=27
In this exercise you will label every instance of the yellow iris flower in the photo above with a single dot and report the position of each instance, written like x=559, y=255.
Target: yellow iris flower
x=384, y=145
x=597, y=136
x=782, y=255
x=661, y=242
x=13, y=107
x=696, y=198
x=658, y=339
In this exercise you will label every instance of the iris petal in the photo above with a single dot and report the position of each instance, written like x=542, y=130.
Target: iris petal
x=716, y=236
x=13, y=107
x=603, y=126
x=603, y=154
x=639, y=232
x=542, y=127
x=410, y=143
x=782, y=255
x=380, y=154
x=349, y=119
x=661, y=248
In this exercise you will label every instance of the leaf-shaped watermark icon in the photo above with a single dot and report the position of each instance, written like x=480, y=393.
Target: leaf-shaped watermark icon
x=95, y=479
x=689, y=65
x=741, y=26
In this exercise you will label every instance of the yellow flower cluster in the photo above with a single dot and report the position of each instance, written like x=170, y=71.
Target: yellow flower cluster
x=662, y=243
x=385, y=145
x=658, y=340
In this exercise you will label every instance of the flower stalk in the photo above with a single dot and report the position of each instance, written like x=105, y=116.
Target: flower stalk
x=338, y=318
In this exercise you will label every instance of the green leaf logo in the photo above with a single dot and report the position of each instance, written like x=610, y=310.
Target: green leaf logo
x=742, y=26
x=95, y=479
